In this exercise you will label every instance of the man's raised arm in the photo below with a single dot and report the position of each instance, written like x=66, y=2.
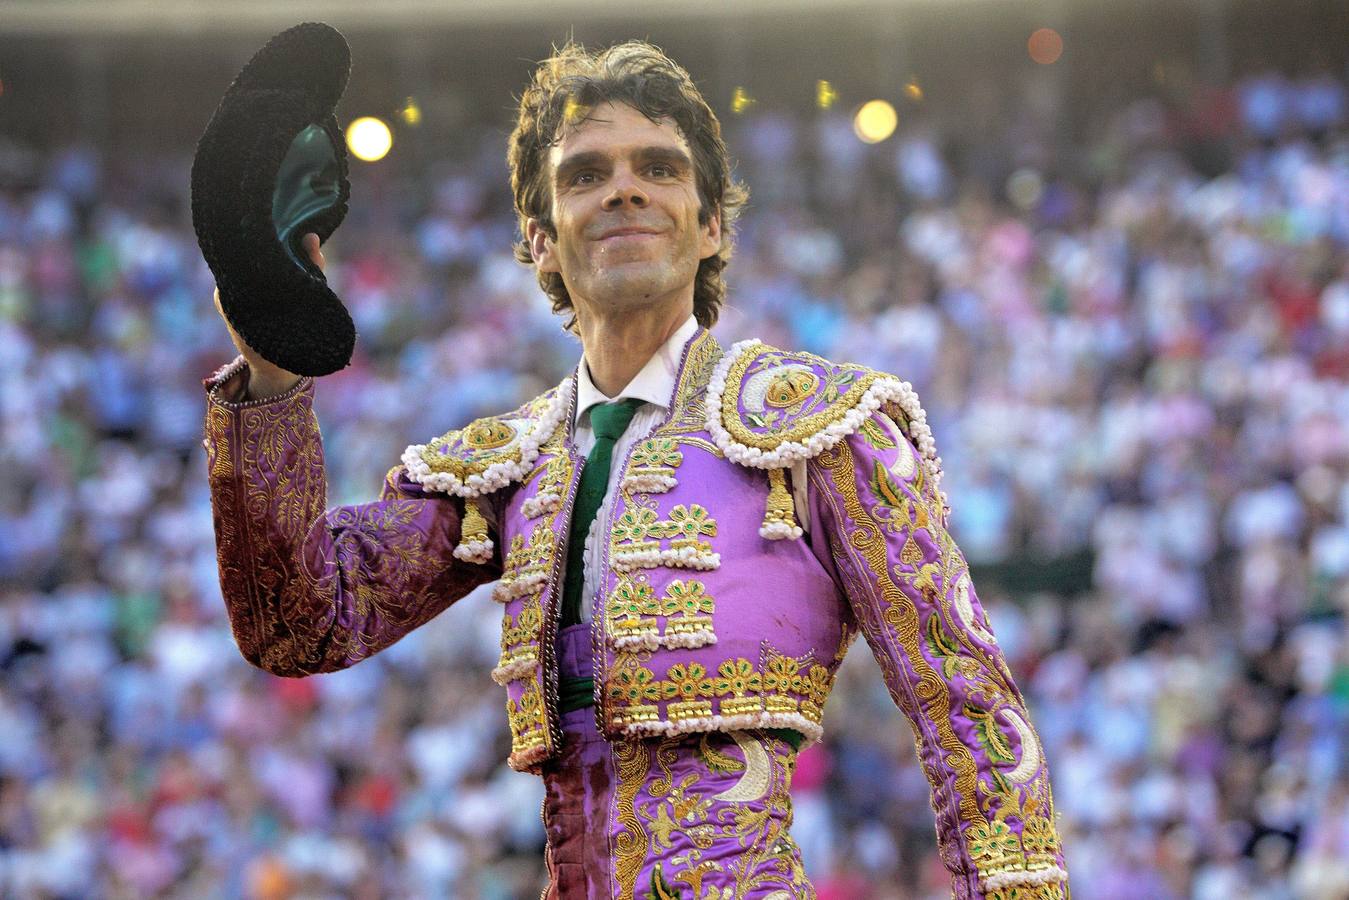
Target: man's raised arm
x=310, y=590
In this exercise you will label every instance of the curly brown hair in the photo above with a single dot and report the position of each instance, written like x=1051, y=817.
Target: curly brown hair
x=574, y=80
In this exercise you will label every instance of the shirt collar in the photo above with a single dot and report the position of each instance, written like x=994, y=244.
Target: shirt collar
x=653, y=383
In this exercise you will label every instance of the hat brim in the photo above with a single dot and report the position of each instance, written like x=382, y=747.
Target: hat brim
x=270, y=167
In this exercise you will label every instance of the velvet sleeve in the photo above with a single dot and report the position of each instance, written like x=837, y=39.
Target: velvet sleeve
x=910, y=588
x=310, y=589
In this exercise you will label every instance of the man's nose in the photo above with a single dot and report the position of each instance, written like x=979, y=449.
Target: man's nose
x=625, y=188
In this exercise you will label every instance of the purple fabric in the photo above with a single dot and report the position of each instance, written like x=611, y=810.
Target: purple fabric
x=578, y=788
x=689, y=837
x=574, y=659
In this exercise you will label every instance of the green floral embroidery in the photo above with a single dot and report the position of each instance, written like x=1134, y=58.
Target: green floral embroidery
x=737, y=677
x=634, y=684
x=635, y=524
x=658, y=453
x=992, y=841
x=686, y=523
x=632, y=599
x=687, y=597
x=687, y=682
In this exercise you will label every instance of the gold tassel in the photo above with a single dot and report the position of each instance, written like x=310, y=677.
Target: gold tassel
x=474, y=544
x=779, y=520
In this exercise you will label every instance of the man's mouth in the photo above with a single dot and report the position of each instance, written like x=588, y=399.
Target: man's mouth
x=630, y=232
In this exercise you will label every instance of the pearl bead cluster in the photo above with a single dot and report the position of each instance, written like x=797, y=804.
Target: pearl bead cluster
x=1047, y=875
x=795, y=721
x=681, y=558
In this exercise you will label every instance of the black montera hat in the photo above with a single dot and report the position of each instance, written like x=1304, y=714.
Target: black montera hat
x=271, y=167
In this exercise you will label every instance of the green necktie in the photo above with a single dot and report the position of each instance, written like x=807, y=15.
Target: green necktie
x=608, y=421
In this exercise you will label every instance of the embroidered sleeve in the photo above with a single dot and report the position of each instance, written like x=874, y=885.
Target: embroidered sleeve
x=312, y=590
x=909, y=586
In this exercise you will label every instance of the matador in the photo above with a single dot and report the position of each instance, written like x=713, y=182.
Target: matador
x=684, y=538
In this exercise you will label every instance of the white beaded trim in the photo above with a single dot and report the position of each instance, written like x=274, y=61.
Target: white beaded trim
x=762, y=719
x=540, y=505
x=475, y=551
x=497, y=474
x=683, y=558
x=885, y=390
x=507, y=589
x=504, y=675
x=779, y=531
x=1047, y=875
x=647, y=483
x=683, y=640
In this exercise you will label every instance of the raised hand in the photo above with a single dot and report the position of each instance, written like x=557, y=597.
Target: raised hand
x=265, y=379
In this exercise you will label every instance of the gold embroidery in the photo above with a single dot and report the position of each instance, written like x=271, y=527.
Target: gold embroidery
x=634, y=610
x=651, y=468
x=984, y=807
x=527, y=719
x=474, y=527
x=830, y=399
x=780, y=508
x=685, y=525
x=791, y=387
x=753, y=812
x=739, y=687
x=629, y=546
x=630, y=759
x=686, y=598
x=489, y=434
x=469, y=451
x=657, y=455
x=899, y=613
x=519, y=642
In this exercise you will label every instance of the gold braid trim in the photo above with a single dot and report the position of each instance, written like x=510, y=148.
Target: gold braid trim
x=868, y=538
x=630, y=844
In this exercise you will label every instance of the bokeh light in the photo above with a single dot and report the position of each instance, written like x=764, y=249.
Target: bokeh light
x=1025, y=187
x=740, y=100
x=913, y=90
x=1045, y=46
x=369, y=139
x=875, y=121
x=411, y=113
x=825, y=95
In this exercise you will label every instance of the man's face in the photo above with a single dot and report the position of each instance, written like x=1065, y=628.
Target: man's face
x=625, y=206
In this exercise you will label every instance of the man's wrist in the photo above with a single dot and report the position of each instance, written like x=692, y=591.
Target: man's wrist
x=260, y=386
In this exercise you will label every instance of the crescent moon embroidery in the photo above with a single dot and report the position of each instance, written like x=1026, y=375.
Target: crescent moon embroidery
x=754, y=783
x=1030, y=748
x=965, y=610
x=903, y=467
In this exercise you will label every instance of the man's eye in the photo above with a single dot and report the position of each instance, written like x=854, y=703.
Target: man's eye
x=662, y=170
x=580, y=177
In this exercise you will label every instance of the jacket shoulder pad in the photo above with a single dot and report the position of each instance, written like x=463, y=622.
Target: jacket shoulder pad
x=491, y=452
x=770, y=408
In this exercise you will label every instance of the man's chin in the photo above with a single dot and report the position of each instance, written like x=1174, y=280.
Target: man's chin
x=631, y=284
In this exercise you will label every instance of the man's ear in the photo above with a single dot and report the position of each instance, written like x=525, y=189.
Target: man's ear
x=541, y=246
x=710, y=241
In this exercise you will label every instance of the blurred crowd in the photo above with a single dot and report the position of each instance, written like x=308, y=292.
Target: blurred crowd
x=1127, y=357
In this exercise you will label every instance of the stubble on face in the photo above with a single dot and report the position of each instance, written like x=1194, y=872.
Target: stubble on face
x=613, y=172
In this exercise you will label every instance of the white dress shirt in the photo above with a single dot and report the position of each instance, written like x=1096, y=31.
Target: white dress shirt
x=653, y=384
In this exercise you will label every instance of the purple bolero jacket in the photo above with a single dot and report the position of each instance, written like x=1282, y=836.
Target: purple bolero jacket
x=716, y=612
